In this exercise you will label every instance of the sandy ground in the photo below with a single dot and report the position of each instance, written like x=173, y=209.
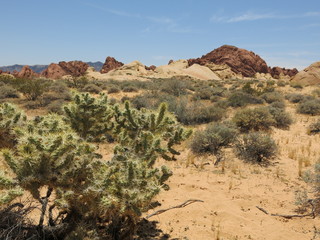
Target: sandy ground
x=231, y=197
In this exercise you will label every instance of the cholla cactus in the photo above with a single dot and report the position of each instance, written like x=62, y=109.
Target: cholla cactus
x=10, y=117
x=50, y=154
x=143, y=136
x=147, y=134
x=90, y=117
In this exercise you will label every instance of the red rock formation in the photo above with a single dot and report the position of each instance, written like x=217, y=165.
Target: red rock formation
x=170, y=61
x=240, y=60
x=26, y=72
x=152, y=67
x=277, y=71
x=110, y=64
x=54, y=71
x=73, y=68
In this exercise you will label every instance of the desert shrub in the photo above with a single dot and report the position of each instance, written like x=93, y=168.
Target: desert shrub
x=314, y=128
x=277, y=104
x=32, y=89
x=92, y=88
x=311, y=199
x=197, y=113
x=10, y=117
x=114, y=89
x=296, y=85
x=260, y=85
x=271, y=97
x=213, y=138
x=282, y=119
x=7, y=91
x=253, y=119
x=204, y=94
x=241, y=99
x=77, y=82
x=29, y=104
x=215, y=98
x=130, y=89
x=56, y=106
x=56, y=92
x=89, y=116
x=295, y=97
x=255, y=147
x=6, y=78
x=174, y=86
x=281, y=83
x=316, y=92
x=310, y=107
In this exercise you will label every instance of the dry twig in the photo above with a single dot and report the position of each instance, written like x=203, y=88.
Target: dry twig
x=184, y=204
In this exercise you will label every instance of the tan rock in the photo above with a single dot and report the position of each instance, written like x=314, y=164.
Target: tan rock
x=309, y=76
x=223, y=71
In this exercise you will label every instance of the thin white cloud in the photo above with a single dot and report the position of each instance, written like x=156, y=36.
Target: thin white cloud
x=252, y=16
x=164, y=23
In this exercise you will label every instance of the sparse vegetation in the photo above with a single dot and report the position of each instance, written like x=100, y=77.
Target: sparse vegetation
x=310, y=107
x=256, y=147
x=253, y=119
x=314, y=128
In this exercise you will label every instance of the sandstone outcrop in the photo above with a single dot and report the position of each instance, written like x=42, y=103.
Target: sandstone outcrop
x=73, y=68
x=151, y=68
x=279, y=73
x=308, y=76
x=26, y=72
x=110, y=64
x=223, y=71
x=240, y=61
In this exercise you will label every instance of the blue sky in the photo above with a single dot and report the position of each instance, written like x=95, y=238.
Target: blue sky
x=284, y=33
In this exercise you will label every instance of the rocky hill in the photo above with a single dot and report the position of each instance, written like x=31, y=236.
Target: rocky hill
x=241, y=61
x=40, y=68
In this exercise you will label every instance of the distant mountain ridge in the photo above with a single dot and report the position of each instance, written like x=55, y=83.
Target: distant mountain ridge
x=39, y=68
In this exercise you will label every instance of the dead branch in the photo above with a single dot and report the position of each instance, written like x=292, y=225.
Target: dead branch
x=312, y=214
x=184, y=204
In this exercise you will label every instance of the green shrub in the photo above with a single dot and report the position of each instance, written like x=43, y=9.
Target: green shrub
x=204, y=94
x=7, y=91
x=56, y=92
x=56, y=106
x=32, y=89
x=197, y=113
x=296, y=85
x=253, y=119
x=173, y=86
x=314, y=128
x=282, y=119
x=295, y=97
x=277, y=104
x=311, y=107
x=271, y=97
x=241, y=99
x=92, y=88
x=114, y=89
x=130, y=89
x=77, y=82
x=281, y=83
x=256, y=147
x=213, y=138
